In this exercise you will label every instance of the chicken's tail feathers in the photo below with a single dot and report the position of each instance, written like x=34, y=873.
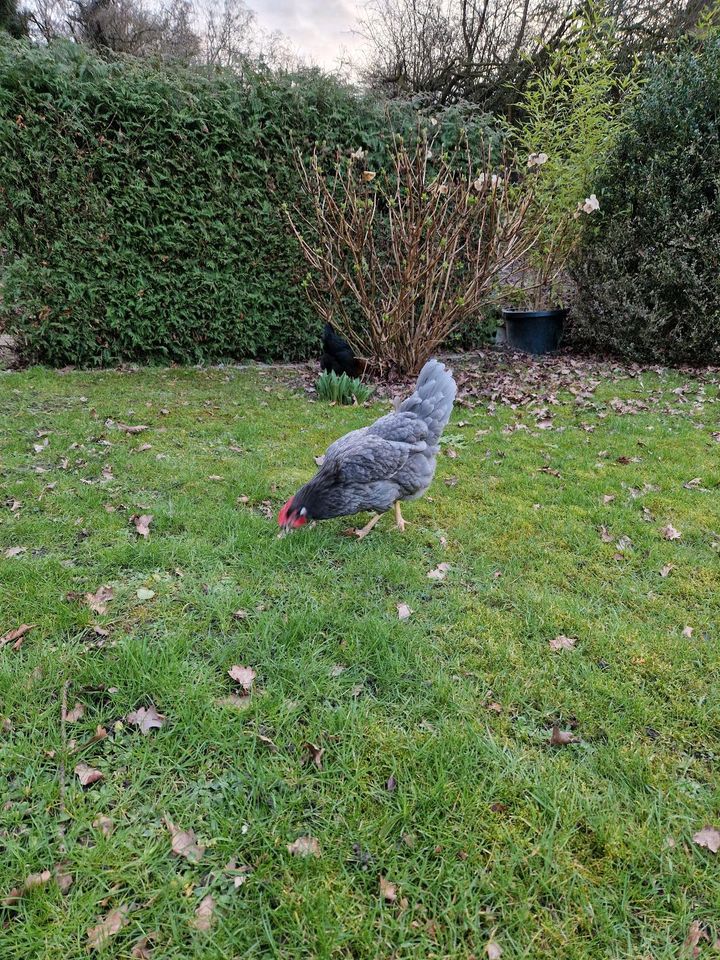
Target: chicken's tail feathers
x=433, y=398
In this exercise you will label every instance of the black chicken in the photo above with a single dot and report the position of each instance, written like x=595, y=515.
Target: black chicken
x=337, y=354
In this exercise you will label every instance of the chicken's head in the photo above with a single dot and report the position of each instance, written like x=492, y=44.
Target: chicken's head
x=291, y=516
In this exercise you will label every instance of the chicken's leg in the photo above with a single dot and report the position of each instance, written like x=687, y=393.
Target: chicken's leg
x=368, y=526
x=399, y=519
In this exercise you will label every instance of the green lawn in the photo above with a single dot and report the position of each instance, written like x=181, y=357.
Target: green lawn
x=437, y=773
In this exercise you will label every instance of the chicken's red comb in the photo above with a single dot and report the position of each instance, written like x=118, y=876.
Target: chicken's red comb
x=283, y=514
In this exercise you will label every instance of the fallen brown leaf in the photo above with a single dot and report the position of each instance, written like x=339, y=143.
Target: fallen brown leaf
x=142, y=524
x=708, y=837
x=694, y=935
x=125, y=428
x=608, y=498
x=304, y=847
x=14, y=552
x=98, y=601
x=142, y=950
x=404, y=611
x=667, y=569
x=688, y=632
x=63, y=878
x=87, y=775
x=561, y=738
x=204, y=914
x=184, y=843
x=104, y=824
x=605, y=534
x=562, y=643
x=670, y=533
x=146, y=719
x=493, y=950
x=77, y=713
x=244, y=676
x=32, y=881
x=16, y=636
x=388, y=891
x=110, y=925
x=440, y=572
x=315, y=753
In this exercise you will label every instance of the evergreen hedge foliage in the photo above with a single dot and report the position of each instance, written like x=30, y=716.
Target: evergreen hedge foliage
x=649, y=277
x=141, y=205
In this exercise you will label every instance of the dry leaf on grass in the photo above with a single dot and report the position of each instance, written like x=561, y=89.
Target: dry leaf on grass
x=77, y=713
x=143, y=948
x=694, y=935
x=146, y=719
x=605, y=535
x=440, y=572
x=87, y=775
x=708, y=837
x=667, y=569
x=204, y=914
x=561, y=738
x=31, y=881
x=493, y=950
x=104, y=825
x=688, y=632
x=670, y=533
x=304, y=847
x=314, y=753
x=98, y=601
x=336, y=670
x=608, y=498
x=111, y=924
x=16, y=636
x=144, y=594
x=142, y=524
x=562, y=643
x=388, y=891
x=404, y=611
x=14, y=552
x=125, y=428
x=244, y=676
x=184, y=843
x=63, y=878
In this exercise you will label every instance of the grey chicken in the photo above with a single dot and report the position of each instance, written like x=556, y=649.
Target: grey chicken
x=376, y=467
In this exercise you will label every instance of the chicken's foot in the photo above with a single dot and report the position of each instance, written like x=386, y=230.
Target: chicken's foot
x=364, y=531
x=399, y=519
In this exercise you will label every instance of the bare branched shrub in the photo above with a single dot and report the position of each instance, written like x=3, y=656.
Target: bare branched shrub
x=400, y=259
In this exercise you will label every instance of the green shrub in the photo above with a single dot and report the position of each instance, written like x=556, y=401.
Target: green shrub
x=649, y=276
x=141, y=205
x=342, y=389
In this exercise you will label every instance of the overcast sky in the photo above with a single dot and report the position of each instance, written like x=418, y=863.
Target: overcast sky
x=320, y=30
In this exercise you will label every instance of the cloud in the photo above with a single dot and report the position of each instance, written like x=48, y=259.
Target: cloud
x=320, y=30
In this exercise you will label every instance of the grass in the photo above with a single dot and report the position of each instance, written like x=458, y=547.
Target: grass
x=489, y=834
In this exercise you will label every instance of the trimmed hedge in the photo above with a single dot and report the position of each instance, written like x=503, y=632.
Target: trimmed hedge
x=649, y=278
x=141, y=205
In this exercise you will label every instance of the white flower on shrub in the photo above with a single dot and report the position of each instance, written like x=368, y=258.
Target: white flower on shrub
x=537, y=159
x=591, y=204
x=480, y=182
x=358, y=154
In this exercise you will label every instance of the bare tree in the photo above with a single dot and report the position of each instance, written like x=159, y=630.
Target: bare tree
x=485, y=51
x=130, y=27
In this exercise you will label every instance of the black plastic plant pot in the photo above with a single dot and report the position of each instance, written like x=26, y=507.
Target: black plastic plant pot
x=534, y=331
